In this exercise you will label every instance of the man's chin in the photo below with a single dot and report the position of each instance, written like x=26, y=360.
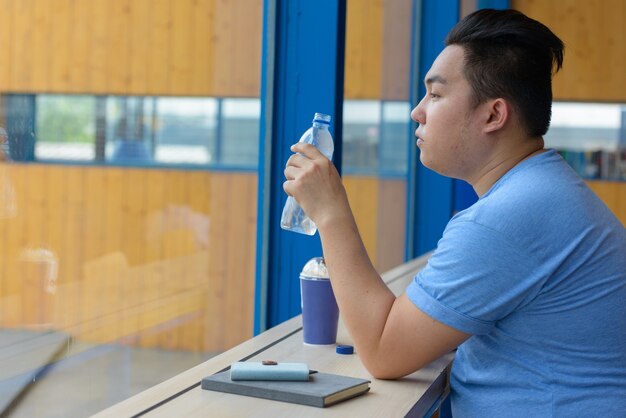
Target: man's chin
x=429, y=165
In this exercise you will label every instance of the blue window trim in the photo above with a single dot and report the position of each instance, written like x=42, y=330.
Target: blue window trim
x=293, y=87
x=151, y=166
x=430, y=195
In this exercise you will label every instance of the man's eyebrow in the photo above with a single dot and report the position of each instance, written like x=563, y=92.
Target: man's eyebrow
x=435, y=79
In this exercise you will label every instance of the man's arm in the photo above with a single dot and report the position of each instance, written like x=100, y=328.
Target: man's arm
x=392, y=336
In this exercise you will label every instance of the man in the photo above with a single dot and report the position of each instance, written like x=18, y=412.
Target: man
x=530, y=282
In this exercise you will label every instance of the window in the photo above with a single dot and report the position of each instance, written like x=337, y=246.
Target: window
x=141, y=131
x=591, y=137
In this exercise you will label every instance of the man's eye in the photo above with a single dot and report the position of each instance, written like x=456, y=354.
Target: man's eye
x=434, y=96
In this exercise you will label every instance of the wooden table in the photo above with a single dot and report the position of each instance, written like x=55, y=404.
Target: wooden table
x=418, y=394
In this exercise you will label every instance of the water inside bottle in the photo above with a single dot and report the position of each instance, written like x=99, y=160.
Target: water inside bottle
x=294, y=219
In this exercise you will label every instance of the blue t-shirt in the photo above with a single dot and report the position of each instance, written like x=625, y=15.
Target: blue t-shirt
x=536, y=271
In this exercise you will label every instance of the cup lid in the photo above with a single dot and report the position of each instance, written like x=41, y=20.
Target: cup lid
x=315, y=267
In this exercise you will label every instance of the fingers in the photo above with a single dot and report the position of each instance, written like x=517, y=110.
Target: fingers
x=299, y=160
x=290, y=172
x=307, y=162
x=287, y=188
x=304, y=154
x=308, y=150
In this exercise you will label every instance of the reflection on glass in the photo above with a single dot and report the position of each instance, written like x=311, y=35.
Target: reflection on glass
x=361, y=136
x=239, y=132
x=139, y=130
x=129, y=130
x=395, y=130
x=375, y=137
x=375, y=166
x=591, y=137
x=65, y=127
x=185, y=130
x=39, y=267
x=113, y=269
x=8, y=207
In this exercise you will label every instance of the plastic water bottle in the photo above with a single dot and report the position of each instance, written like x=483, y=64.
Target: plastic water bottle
x=293, y=218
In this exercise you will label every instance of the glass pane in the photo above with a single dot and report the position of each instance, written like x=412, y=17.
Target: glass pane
x=128, y=195
x=376, y=124
x=238, y=142
x=591, y=137
x=65, y=127
x=361, y=136
x=185, y=130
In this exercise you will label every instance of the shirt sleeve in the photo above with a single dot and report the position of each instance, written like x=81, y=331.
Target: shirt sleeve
x=475, y=277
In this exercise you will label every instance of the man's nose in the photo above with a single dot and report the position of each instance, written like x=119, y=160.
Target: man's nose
x=417, y=114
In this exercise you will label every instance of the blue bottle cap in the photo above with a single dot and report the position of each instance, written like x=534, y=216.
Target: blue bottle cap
x=344, y=349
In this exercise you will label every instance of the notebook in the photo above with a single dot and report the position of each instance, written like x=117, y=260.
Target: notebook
x=321, y=390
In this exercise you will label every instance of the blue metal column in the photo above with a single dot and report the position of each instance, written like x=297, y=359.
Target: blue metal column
x=302, y=73
x=430, y=195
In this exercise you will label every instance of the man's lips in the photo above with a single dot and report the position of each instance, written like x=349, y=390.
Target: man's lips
x=419, y=137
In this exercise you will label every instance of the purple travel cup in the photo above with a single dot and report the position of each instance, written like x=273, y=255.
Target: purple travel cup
x=320, y=313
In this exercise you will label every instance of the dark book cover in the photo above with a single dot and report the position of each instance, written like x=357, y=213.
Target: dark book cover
x=321, y=390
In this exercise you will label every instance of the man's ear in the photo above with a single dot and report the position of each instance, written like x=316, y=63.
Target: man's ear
x=497, y=114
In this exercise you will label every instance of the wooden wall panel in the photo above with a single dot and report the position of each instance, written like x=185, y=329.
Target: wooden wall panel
x=13, y=229
x=396, y=49
x=202, y=52
x=391, y=221
x=378, y=49
x=379, y=207
x=154, y=258
x=364, y=34
x=247, y=47
x=159, y=54
x=127, y=240
x=613, y=194
x=236, y=47
x=82, y=34
x=213, y=47
x=155, y=227
x=231, y=266
x=99, y=51
x=4, y=214
x=132, y=47
x=595, y=52
x=22, y=39
x=119, y=37
x=140, y=17
x=6, y=44
x=236, y=195
x=182, y=46
x=61, y=43
x=363, y=197
x=198, y=201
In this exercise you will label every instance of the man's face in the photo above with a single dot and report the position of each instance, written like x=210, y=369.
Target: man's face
x=444, y=115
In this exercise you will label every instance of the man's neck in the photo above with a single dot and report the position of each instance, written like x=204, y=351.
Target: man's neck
x=501, y=162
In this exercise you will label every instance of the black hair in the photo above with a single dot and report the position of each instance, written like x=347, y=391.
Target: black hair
x=509, y=55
